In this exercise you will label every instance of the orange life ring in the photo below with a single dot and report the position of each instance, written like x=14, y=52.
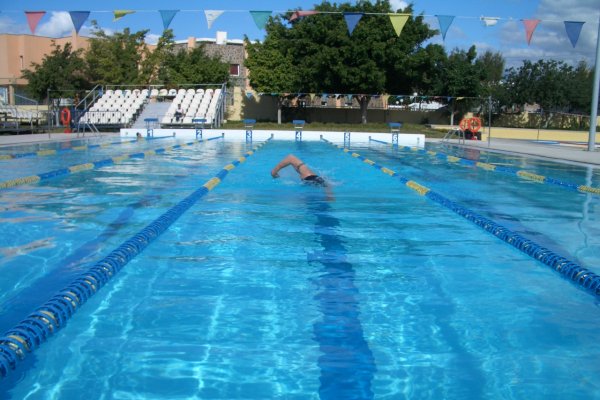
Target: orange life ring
x=464, y=124
x=65, y=116
x=475, y=124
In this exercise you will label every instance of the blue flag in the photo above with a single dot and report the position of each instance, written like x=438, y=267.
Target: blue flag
x=352, y=20
x=167, y=17
x=445, y=21
x=78, y=18
x=573, y=29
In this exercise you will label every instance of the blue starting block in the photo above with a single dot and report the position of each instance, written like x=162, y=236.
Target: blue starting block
x=298, y=126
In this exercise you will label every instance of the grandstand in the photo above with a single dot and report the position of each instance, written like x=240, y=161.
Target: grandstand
x=117, y=108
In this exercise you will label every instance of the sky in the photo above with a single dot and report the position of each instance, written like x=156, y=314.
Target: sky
x=508, y=37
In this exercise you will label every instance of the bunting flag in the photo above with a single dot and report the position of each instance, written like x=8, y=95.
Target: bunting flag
x=261, y=18
x=489, y=21
x=445, y=21
x=33, y=19
x=573, y=31
x=298, y=14
x=211, y=16
x=167, y=16
x=118, y=14
x=352, y=19
x=78, y=18
x=398, y=22
x=249, y=95
x=530, y=25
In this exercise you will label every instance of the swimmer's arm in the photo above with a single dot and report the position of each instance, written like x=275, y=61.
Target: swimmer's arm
x=284, y=163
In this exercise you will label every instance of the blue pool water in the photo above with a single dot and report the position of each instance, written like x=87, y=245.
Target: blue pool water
x=270, y=289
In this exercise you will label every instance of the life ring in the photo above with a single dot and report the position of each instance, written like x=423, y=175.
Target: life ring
x=65, y=116
x=464, y=124
x=475, y=124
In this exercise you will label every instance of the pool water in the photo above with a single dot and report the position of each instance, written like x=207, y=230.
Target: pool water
x=272, y=289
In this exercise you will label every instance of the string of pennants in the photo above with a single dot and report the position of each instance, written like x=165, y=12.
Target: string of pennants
x=385, y=97
x=572, y=28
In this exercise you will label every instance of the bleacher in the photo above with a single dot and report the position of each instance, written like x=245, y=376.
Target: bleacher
x=118, y=107
x=121, y=108
x=195, y=104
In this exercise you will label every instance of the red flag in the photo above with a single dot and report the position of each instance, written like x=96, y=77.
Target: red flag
x=297, y=14
x=530, y=25
x=33, y=18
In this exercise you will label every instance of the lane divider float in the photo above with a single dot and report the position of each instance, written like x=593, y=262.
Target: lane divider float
x=51, y=152
x=94, y=165
x=581, y=276
x=53, y=315
x=498, y=168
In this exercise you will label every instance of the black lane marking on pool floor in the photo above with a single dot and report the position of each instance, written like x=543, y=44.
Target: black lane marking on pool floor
x=347, y=364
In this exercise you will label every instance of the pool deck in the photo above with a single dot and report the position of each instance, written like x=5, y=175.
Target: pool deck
x=575, y=152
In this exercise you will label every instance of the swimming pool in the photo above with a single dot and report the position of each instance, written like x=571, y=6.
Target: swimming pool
x=268, y=289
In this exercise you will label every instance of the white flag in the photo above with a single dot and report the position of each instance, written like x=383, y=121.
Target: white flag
x=489, y=21
x=212, y=15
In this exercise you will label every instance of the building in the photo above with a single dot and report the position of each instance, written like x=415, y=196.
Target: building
x=18, y=52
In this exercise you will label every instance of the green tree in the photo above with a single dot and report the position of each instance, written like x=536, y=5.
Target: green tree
x=322, y=57
x=117, y=59
x=155, y=65
x=271, y=65
x=461, y=77
x=554, y=85
x=60, y=72
x=193, y=66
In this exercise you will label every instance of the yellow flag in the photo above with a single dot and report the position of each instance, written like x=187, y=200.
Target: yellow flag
x=398, y=21
x=121, y=13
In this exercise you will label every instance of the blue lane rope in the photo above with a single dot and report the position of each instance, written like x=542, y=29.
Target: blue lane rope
x=51, y=152
x=579, y=275
x=498, y=168
x=94, y=165
x=46, y=320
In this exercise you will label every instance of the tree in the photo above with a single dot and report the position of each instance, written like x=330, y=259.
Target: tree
x=322, y=57
x=554, y=85
x=117, y=59
x=60, y=72
x=193, y=66
x=271, y=65
x=461, y=78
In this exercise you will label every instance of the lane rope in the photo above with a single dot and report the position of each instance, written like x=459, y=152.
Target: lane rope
x=94, y=165
x=52, y=152
x=499, y=168
x=53, y=315
x=581, y=276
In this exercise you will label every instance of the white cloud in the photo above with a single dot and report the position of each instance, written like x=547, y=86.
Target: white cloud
x=398, y=5
x=550, y=40
x=58, y=25
x=152, y=38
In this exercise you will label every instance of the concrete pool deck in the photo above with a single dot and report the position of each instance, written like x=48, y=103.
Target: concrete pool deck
x=552, y=149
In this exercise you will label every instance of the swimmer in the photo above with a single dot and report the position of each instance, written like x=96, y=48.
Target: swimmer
x=306, y=174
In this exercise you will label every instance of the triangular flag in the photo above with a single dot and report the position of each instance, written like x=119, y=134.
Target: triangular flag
x=573, y=31
x=211, y=16
x=261, y=18
x=398, y=22
x=445, y=21
x=78, y=18
x=352, y=19
x=530, y=25
x=33, y=18
x=167, y=16
x=249, y=95
x=297, y=14
x=489, y=21
x=118, y=14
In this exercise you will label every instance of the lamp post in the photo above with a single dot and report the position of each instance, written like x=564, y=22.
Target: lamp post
x=594, y=111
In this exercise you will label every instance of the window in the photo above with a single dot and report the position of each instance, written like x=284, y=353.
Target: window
x=234, y=69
